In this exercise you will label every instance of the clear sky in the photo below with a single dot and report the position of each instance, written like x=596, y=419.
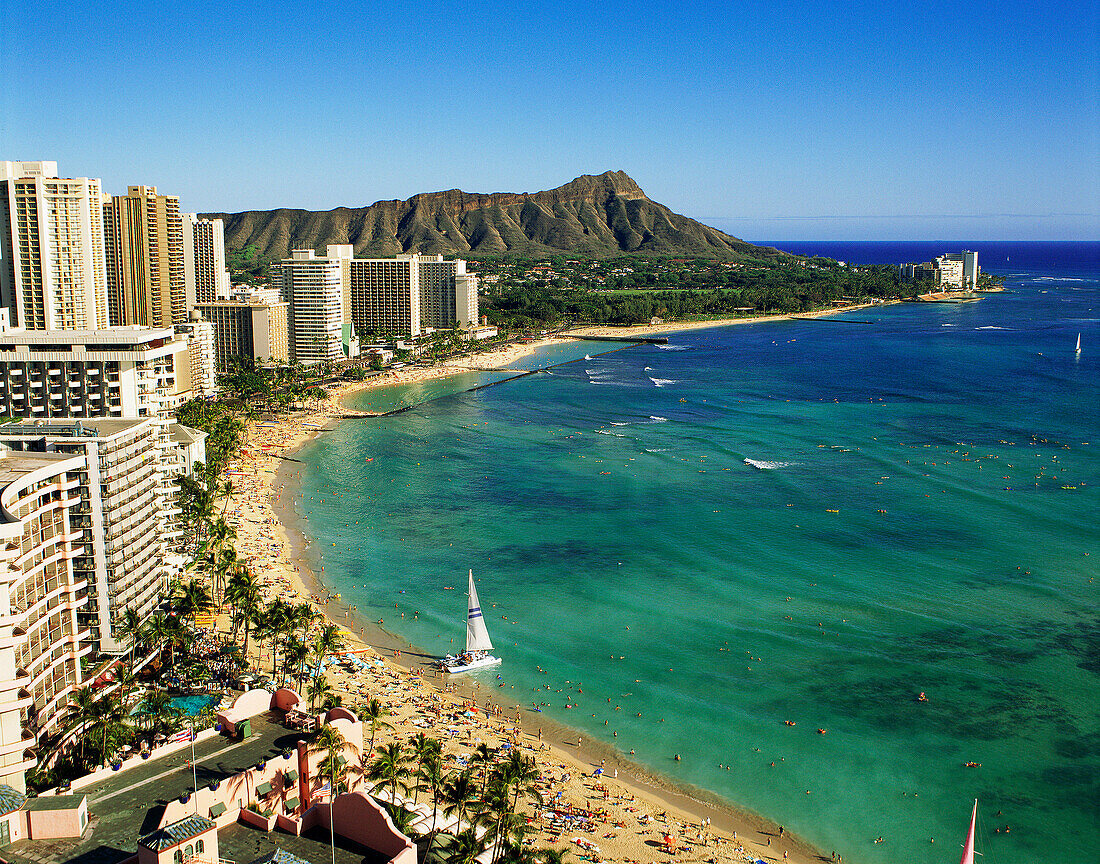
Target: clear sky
x=776, y=120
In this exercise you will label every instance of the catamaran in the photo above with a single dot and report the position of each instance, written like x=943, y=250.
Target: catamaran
x=478, y=644
x=968, y=847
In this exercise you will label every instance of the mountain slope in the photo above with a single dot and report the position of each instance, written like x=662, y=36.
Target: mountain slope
x=593, y=215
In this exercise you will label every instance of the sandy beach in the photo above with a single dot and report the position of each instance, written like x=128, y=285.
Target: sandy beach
x=627, y=810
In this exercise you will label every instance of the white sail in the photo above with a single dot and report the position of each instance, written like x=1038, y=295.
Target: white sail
x=968, y=847
x=1078, y=343
x=477, y=637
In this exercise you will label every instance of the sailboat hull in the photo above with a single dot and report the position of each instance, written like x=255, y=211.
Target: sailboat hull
x=456, y=665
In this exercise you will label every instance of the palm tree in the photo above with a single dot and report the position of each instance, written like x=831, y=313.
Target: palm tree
x=327, y=641
x=318, y=689
x=459, y=792
x=81, y=710
x=401, y=818
x=554, y=856
x=129, y=630
x=388, y=769
x=191, y=599
x=374, y=711
x=281, y=619
x=515, y=777
x=159, y=712
x=430, y=773
x=295, y=654
x=332, y=743
x=466, y=847
x=423, y=747
x=243, y=592
x=483, y=755
x=106, y=713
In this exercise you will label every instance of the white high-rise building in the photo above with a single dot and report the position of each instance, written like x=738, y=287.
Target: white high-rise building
x=200, y=351
x=80, y=543
x=117, y=509
x=314, y=289
x=41, y=595
x=53, y=272
x=122, y=372
x=205, y=275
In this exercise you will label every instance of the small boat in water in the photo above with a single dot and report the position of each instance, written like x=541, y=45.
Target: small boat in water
x=1078, y=351
x=478, y=644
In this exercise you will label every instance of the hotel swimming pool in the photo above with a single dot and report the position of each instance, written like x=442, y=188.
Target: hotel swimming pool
x=193, y=704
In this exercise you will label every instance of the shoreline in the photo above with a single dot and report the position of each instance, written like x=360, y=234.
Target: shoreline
x=579, y=751
x=737, y=833
x=504, y=356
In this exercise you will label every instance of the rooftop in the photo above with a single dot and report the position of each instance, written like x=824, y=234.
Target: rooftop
x=177, y=832
x=10, y=800
x=247, y=845
x=125, y=806
x=55, y=802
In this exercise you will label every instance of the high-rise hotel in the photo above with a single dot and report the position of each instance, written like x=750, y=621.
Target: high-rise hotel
x=79, y=544
x=205, y=277
x=53, y=271
x=334, y=299
x=143, y=239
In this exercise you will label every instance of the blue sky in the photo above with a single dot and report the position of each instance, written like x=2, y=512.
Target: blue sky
x=770, y=120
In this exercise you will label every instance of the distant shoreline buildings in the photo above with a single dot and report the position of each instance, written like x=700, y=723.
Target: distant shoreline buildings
x=952, y=270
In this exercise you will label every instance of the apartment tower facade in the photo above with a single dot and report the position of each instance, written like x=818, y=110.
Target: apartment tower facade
x=53, y=272
x=143, y=234
x=205, y=277
x=314, y=289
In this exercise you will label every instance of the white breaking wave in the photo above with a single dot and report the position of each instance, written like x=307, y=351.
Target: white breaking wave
x=1057, y=279
x=765, y=465
x=648, y=368
x=948, y=325
x=609, y=432
x=617, y=423
x=672, y=347
x=657, y=419
x=656, y=449
x=991, y=327
x=661, y=382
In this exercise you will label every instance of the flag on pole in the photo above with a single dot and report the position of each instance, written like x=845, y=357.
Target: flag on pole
x=325, y=789
x=182, y=735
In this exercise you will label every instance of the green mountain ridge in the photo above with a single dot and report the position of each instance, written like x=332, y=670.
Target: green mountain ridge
x=597, y=216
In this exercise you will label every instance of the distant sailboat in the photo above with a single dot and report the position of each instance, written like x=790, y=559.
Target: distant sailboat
x=968, y=846
x=1078, y=351
x=478, y=644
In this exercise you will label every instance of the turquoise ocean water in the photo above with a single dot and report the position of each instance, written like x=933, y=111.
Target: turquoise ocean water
x=653, y=527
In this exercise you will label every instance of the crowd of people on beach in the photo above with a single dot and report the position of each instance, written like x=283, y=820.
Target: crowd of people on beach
x=612, y=821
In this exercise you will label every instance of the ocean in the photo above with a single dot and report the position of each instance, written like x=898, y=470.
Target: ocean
x=756, y=546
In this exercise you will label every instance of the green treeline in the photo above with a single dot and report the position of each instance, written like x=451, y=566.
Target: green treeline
x=632, y=290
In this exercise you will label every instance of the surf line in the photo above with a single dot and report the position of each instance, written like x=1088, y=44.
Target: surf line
x=516, y=377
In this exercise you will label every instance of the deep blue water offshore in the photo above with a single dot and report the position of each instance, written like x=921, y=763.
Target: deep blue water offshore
x=654, y=527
